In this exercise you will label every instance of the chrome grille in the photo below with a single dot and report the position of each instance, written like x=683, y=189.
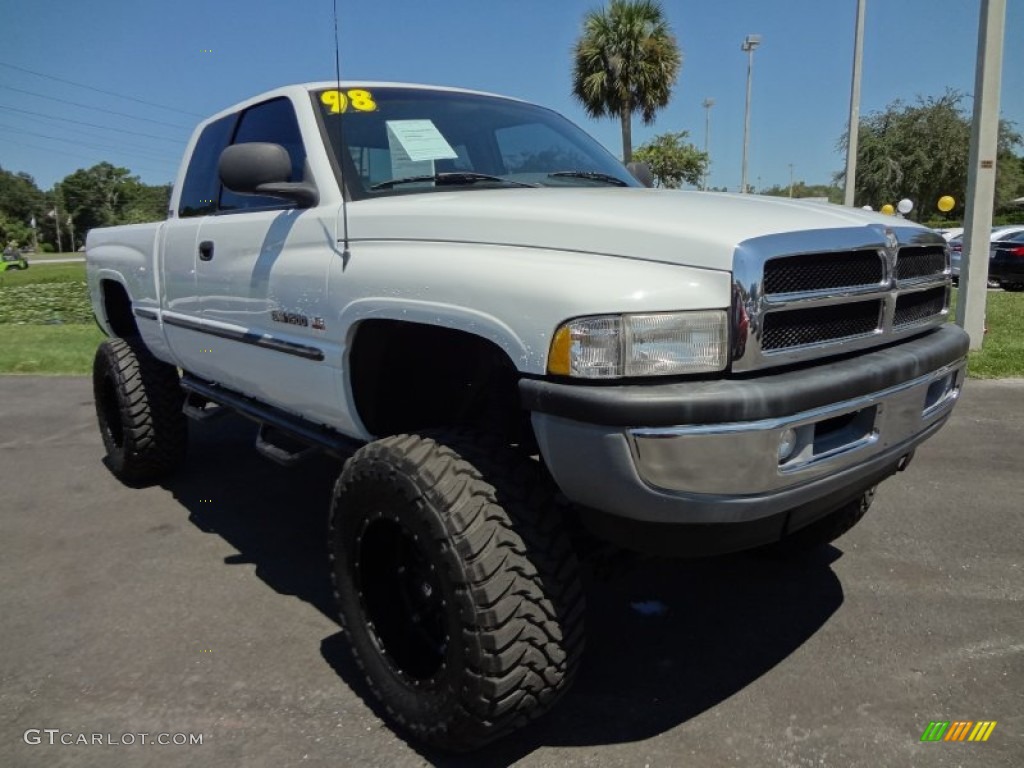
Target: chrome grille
x=823, y=271
x=912, y=308
x=803, y=295
x=814, y=325
x=920, y=261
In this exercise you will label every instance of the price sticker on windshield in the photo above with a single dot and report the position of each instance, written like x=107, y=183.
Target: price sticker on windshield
x=339, y=101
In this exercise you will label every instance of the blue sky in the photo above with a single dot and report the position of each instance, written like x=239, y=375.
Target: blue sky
x=190, y=58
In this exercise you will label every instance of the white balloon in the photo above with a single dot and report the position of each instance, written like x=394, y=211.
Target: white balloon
x=906, y=205
x=868, y=208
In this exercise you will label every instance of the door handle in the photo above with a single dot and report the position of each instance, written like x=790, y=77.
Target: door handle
x=206, y=250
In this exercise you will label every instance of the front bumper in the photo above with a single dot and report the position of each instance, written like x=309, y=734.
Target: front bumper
x=705, y=453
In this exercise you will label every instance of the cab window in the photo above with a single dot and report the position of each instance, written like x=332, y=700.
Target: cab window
x=202, y=186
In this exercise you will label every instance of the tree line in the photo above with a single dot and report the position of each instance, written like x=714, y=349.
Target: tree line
x=100, y=196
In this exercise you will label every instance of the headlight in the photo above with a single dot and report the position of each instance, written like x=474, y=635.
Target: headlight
x=663, y=344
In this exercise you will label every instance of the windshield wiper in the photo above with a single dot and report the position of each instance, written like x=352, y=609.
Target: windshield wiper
x=454, y=177
x=592, y=176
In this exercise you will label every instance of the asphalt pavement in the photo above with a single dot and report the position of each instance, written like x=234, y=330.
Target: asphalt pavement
x=200, y=608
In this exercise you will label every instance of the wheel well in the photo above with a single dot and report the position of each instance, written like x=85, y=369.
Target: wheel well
x=407, y=377
x=118, y=309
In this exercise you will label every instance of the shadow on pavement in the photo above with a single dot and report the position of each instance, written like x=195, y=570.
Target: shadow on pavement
x=726, y=621
x=275, y=517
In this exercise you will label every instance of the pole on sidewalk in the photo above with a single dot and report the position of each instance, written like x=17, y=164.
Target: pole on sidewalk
x=853, y=133
x=981, y=172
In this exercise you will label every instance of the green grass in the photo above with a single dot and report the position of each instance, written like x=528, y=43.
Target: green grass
x=1002, y=352
x=46, y=323
x=54, y=349
x=43, y=273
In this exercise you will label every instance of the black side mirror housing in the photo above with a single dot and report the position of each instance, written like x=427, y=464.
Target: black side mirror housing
x=642, y=173
x=262, y=168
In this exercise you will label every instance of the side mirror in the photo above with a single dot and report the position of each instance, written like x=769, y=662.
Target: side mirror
x=642, y=173
x=261, y=168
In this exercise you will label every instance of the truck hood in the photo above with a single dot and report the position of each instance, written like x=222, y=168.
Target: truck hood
x=698, y=229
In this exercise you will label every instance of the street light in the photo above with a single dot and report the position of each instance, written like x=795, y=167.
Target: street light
x=708, y=104
x=749, y=44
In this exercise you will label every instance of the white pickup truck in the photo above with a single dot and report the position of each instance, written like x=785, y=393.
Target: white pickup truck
x=486, y=315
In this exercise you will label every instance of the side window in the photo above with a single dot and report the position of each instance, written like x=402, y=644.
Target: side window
x=202, y=185
x=272, y=121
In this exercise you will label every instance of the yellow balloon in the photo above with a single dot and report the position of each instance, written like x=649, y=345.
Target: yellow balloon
x=946, y=203
x=887, y=209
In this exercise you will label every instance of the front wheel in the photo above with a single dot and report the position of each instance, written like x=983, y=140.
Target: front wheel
x=138, y=406
x=457, y=588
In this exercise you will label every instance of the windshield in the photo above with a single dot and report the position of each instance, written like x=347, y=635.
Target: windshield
x=410, y=140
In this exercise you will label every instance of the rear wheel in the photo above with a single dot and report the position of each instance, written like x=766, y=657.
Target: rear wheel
x=138, y=406
x=456, y=585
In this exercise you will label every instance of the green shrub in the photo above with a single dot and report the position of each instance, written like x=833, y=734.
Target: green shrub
x=45, y=304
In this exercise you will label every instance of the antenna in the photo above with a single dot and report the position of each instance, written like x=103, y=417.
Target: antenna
x=341, y=139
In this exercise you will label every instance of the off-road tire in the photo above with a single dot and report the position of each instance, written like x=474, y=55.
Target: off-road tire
x=813, y=537
x=503, y=637
x=138, y=406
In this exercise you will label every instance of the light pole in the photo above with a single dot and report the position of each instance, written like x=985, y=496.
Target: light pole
x=790, y=179
x=854, y=129
x=749, y=44
x=708, y=104
x=55, y=215
x=981, y=171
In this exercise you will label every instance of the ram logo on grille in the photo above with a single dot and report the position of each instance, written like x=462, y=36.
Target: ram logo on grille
x=891, y=254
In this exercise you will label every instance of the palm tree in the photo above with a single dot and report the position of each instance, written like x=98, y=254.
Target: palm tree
x=625, y=61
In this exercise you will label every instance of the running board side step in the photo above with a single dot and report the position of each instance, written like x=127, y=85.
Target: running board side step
x=195, y=408
x=313, y=437
x=278, y=453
